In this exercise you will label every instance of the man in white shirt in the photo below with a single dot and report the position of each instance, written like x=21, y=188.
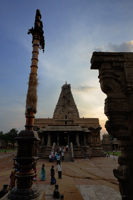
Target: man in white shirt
x=59, y=168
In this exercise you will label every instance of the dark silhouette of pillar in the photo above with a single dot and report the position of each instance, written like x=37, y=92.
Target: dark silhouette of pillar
x=116, y=81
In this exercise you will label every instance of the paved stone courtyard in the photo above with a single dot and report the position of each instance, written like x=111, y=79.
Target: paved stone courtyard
x=83, y=179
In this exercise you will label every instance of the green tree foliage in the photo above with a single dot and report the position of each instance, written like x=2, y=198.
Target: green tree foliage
x=1, y=135
x=9, y=136
x=12, y=136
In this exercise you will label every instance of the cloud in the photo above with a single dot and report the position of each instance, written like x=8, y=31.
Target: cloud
x=99, y=48
x=84, y=88
x=123, y=47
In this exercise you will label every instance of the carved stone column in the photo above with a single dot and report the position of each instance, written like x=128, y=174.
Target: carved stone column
x=84, y=139
x=77, y=139
x=42, y=140
x=49, y=141
x=116, y=80
x=57, y=139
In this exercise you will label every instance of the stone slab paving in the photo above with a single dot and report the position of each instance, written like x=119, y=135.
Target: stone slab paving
x=83, y=179
x=98, y=192
x=94, y=192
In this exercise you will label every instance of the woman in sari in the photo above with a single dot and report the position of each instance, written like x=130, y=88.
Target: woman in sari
x=43, y=174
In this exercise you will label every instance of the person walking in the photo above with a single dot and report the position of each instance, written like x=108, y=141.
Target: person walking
x=67, y=147
x=58, y=159
x=53, y=180
x=62, y=155
x=12, y=179
x=59, y=168
x=35, y=170
x=43, y=173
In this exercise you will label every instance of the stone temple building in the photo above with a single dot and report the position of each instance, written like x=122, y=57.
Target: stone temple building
x=66, y=127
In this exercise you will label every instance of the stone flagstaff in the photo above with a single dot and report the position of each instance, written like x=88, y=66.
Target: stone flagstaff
x=27, y=139
x=38, y=41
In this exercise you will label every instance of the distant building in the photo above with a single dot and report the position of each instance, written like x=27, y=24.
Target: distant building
x=66, y=127
x=108, y=144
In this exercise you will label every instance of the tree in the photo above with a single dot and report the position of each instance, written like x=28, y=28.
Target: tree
x=11, y=136
x=1, y=135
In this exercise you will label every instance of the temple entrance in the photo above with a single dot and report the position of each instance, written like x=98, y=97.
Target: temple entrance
x=81, y=139
x=53, y=138
x=72, y=138
x=63, y=138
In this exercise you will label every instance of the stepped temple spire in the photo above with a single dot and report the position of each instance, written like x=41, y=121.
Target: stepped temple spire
x=66, y=107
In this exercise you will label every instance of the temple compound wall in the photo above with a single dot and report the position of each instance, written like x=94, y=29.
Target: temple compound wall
x=116, y=80
x=66, y=128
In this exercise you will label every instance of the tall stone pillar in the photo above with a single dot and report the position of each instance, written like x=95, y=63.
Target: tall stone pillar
x=57, y=139
x=42, y=140
x=116, y=80
x=49, y=141
x=77, y=139
x=84, y=139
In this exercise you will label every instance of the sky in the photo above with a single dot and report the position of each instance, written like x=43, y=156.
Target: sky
x=73, y=30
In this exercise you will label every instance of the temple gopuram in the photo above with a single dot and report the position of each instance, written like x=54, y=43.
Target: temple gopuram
x=67, y=128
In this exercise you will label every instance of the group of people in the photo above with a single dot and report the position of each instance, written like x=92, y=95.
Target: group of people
x=58, y=155
x=52, y=173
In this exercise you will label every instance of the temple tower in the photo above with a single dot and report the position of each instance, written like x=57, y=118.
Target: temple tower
x=66, y=107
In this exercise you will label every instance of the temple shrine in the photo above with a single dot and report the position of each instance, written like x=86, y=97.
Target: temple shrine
x=67, y=128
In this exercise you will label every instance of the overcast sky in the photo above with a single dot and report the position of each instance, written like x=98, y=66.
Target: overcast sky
x=73, y=30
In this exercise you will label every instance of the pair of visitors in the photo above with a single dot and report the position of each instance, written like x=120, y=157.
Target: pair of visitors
x=43, y=173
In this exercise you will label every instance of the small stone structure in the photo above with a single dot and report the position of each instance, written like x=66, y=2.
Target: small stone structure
x=116, y=80
x=108, y=144
x=67, y=127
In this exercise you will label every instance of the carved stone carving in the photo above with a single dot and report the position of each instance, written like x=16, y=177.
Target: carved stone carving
x=116, y=80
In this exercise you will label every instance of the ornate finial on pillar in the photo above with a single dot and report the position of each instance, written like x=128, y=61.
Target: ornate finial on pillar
x=37, y=32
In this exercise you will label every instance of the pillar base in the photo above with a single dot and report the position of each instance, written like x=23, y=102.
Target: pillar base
x=36, y=190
